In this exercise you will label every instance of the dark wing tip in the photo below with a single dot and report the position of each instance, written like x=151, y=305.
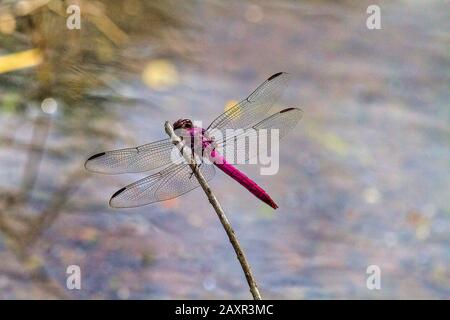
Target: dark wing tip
x=96, y=155
x=274, y=76
x=290, y=109
x=118, y=192
x=297, y=112
x=287, y=109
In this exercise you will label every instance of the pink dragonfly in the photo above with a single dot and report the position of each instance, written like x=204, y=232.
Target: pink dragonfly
x=174, y=177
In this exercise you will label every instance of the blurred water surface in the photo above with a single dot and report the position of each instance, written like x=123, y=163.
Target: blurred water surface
x=364, y=180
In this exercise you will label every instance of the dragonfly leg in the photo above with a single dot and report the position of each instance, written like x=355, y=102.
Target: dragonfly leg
x=198, y=167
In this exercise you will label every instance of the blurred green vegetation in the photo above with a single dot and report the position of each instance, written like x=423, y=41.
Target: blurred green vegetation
x=49, y=72
x=75, y=66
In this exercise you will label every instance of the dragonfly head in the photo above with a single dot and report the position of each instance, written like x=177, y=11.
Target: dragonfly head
x=182, y=124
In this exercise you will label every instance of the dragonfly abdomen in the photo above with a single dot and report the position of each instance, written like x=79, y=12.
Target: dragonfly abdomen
x=243, y=180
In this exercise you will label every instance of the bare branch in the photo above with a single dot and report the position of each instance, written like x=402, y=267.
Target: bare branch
x=220, y=213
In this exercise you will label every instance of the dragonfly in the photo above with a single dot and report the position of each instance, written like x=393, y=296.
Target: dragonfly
x=173, y=175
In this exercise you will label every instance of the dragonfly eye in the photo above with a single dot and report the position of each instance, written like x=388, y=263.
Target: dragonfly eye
x=182, y=124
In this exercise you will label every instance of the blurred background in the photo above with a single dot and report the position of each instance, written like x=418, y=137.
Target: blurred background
x=364, y=179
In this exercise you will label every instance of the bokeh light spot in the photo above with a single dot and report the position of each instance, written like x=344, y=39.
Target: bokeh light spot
x=372, y=195
x=230, y=104
x=160, y=74
x=49, y=105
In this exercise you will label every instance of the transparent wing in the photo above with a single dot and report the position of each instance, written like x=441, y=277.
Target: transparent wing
x=253, y=109
x=237, y=149
x=131, y=160
x=169, y=183
x=138, y=159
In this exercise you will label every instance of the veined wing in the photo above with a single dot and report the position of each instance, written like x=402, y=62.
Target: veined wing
x=169, y=183
x=284, y=121
x=147, y=157
x=253, y=109
x=143, y=158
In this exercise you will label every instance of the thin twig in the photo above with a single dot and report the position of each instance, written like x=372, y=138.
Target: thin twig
x=216, y=205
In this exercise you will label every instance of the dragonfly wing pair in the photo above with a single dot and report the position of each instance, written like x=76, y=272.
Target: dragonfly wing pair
x=175, y=177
